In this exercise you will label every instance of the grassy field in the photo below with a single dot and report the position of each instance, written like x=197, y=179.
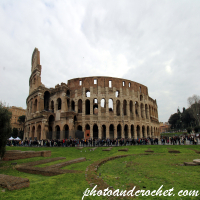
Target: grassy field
x=147, y=172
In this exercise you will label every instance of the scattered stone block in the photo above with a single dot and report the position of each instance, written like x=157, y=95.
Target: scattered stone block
x=13, y=182
x=79, y=147
x=173, y=151
x=17, y=154
x=190, y=164
x=108, y=149
x=149, y=151
x=197, y=161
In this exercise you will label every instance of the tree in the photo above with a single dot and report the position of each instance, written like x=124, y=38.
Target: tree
x=5, y=128
x=15, y=132
x=21, y=119
x=174, y=120
x=194, y=104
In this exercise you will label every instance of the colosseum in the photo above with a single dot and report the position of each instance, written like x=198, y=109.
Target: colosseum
x=88, y=107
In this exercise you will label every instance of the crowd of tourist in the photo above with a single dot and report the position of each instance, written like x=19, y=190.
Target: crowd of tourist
x=105, y=142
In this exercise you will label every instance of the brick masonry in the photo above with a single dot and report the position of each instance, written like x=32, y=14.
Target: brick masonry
x=16, y=154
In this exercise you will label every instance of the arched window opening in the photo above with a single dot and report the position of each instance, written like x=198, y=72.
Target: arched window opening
x=123, y=83
x=95, y=132
x=59, y=103
x=57, y=132
x=132, y=131
x=110, y=102
x=50, y=133
x=68, y=93
x=68, y=104
x=126, y=131
x=141, y=98
x=143, y=131
x=73, y=105
x=33, y=133
x=66, y=129
x=131, y=107
x=117, y=93
x=118, y=108
x=95, y=107
x=103, y=132
x=103, y=106
x=119, y=135
x=87, y=127
x=138, y=131
x=111, y=131
x=79, y=128
x=148, y=132
x=142, y=110
x=39, y=132
x=51, y=124
x=46, y=100
x=87, y=94
x=35, y=106
x=140, y=89
x=110, y=84
x=129, y=85
x=146, y=113
x=87, y=107
x=79, y=106
x=136, y=109
x=125, y=107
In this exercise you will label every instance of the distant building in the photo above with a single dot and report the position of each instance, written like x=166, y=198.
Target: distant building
x=164, y=127
x=16, y=113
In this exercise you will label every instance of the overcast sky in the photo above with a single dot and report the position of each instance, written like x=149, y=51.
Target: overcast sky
x=152, y=42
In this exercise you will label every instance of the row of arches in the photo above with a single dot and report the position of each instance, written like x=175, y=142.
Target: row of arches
x=136, y=108
x=98, y=131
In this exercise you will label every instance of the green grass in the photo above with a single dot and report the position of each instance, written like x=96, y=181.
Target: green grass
x=149, y=171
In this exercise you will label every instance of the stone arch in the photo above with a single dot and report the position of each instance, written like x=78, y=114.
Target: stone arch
x=57, y=128
x=52, y=106
x=50, y=133
x=132, y=131
x=111, y=131
x=80, y=106
x=46, y=100
x=110, y=105
x=68, y=93
x=146, y=111
x=119, y=131
x=95, y=131
x=118, y=107
x=87, y=107
x=117, y=93
x=87, y=93
x=33, y=133
x=79, y=128
x=148, y=132
x=95, y=106
x=66, y=131
x=143, y=131
x=126, y=131
x=125, y=107
x=39, y=132
x=131, y=106
x=103, y=131
x=73, y=105
x=138, y=131
x=136, y=109
x=87, y=131
x=59, y=103
x=35, y=105
x=142, y=110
